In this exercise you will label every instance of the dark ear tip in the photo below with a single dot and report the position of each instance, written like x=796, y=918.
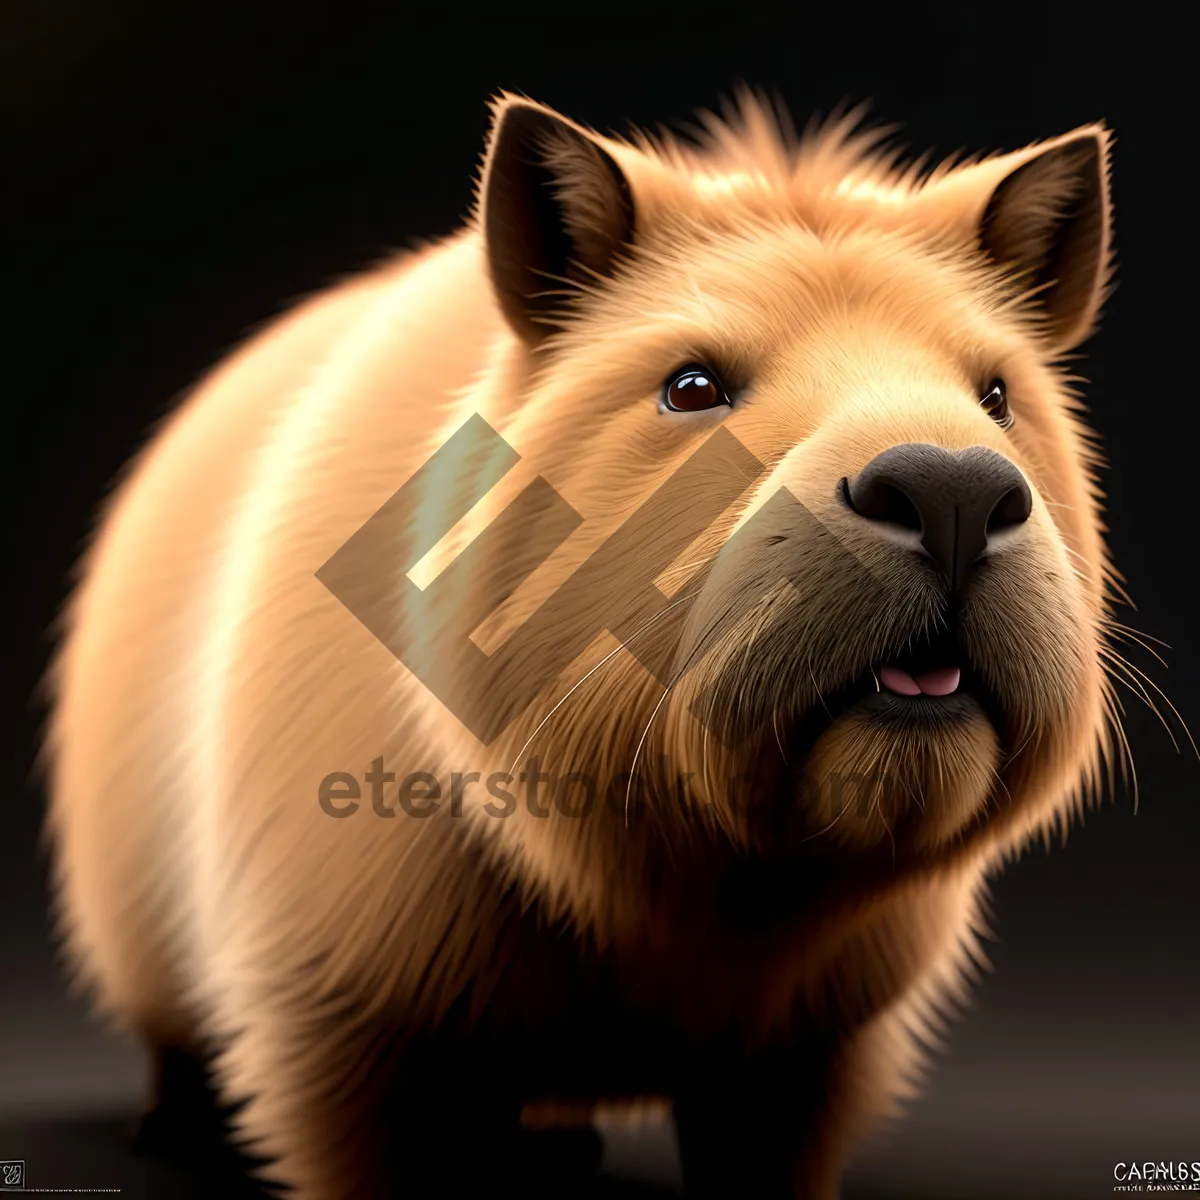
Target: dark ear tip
x=1048, y=221
x=1085, y=150
x=521, y=122
x=517, y=116
x=514, y=134
x=556, y=209
x=1082, y=155
x=504, y=104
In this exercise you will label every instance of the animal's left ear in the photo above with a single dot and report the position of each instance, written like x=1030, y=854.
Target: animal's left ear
x=555, y=211
x=1049, y=221
x=1044, y=216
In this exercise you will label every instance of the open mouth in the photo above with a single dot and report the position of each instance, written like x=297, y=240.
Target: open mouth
x=930, y=683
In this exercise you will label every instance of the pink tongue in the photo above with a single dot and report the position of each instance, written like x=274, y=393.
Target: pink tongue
x=896, y=680
x=941, y=682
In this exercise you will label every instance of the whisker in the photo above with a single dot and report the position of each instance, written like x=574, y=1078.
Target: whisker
x=1119, y=747
x=1115, y=710
x=778, y=739
x=641, y=743
x=1111, y=624
x=1126, y=637
x=704, y=763
x=701, y=644
x=822, y=698
x=1166, y=699
x=821, y=832
x=610, y=655
x=1000, y=781
x=1119, y=673
x=1019, y=750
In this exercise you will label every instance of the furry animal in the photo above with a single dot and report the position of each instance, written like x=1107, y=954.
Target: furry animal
x=894, y=573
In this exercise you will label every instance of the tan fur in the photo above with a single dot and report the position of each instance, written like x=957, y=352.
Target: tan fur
x=208, y=681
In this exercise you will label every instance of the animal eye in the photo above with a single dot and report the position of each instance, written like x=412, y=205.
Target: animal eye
x=995, y=403
x=693, y=388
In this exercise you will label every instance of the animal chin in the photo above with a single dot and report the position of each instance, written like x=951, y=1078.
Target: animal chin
x=903, y=753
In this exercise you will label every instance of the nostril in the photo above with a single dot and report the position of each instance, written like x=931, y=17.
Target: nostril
x=892, y=505
x=1013, y=508
x=877, y=500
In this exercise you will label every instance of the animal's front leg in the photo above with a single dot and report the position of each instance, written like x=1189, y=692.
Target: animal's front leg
x=769, y=1125
x=347, y=1109
x=308, y=1090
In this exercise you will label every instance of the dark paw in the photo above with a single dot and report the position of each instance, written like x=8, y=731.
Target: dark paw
x=157, y=1133
x=562, y=1153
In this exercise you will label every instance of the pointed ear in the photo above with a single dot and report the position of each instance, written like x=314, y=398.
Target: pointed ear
x=555, y=211
x=1048, y=222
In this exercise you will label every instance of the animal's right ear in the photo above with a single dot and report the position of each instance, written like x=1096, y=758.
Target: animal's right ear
x=555, y=211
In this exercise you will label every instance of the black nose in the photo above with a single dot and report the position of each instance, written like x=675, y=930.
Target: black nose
x=955, y=500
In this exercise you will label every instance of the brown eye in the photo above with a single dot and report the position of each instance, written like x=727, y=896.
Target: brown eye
x=995, y=402
x=693, y=388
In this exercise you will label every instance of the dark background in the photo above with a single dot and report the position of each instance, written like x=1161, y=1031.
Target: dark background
x=177, y=173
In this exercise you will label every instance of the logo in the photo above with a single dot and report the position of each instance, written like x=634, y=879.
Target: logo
x=430, y=630
x=1157, y=1177
x=13, y=1179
